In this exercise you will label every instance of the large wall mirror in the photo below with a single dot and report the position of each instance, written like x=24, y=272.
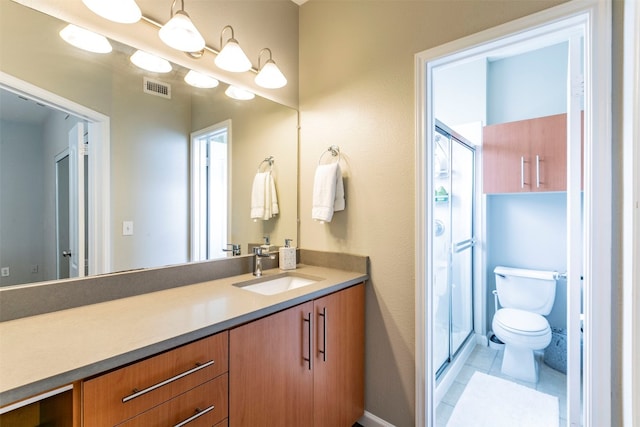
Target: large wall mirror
x=148, y=161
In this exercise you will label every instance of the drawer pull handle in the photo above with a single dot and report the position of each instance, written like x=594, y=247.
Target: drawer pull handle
x=198, y=414
x=139, y=393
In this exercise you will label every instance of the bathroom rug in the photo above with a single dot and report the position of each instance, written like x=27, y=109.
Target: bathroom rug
x=489, y=401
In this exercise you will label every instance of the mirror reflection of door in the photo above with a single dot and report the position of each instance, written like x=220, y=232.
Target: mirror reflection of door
x=71, y=209
x=210, y=160
x=62, y=215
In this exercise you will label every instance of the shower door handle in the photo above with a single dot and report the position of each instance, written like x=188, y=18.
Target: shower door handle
x=465, y=244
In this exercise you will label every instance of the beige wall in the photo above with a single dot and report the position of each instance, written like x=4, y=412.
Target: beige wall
x=357, y=91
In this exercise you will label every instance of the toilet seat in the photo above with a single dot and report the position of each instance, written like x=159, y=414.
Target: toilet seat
x=521, y=328
x=521, y=322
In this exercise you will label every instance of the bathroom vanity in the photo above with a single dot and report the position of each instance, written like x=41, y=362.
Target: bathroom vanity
x=209, y=353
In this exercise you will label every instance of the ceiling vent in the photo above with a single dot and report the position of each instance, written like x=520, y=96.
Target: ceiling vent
x=156, y=87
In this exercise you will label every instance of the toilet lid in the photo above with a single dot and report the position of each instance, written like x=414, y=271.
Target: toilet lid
x=521, y=321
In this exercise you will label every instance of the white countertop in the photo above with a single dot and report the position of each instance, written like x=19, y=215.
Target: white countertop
x=47, y=351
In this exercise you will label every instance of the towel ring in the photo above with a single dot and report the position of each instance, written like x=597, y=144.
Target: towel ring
x=268, y=160
x=335, y=152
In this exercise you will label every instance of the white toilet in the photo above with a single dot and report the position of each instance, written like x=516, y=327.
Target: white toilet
x=525, y=296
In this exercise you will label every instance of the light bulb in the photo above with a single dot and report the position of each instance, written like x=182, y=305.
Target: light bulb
x=270, y=76
x=180, y=33
x=122, y=11
x=150, y=62
x=85, y=39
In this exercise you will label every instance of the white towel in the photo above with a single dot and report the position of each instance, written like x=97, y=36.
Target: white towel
x=264, y=200
x=328, y=192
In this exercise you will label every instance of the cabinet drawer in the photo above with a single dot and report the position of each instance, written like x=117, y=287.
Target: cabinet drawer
x=202, y=406
x=126, y=392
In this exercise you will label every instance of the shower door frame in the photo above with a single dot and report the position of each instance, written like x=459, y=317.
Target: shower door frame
x=451, y=249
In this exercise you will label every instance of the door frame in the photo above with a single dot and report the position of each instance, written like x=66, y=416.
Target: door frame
x=197, y=204
x=630, y=374
x=595, y=15
x=99, y=203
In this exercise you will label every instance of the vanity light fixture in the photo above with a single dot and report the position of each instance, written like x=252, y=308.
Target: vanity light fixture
x=240, y=94
x=85, y=39
x=197, y=79
x=122, y=11
x=150, y=62
x=269, y=75
x=231, y=57
x=180, y=32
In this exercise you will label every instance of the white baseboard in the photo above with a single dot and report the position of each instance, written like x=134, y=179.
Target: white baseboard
x=370, y=420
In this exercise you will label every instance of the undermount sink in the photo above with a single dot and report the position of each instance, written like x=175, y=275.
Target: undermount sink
x=272, y=285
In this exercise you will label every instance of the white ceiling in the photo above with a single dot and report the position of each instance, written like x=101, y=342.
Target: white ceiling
x=19, y=109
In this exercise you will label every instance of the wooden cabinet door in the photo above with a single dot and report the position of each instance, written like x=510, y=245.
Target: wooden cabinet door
x=270, y=382
x=339, y=358
x=548, y=138
x=506, y=158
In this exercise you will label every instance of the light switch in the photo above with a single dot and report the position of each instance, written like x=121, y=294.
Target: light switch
x=127, y=228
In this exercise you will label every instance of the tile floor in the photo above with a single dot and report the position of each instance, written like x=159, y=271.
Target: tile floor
x=489, y=361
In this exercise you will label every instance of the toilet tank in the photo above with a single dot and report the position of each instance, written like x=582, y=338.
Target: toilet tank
x=530, y=290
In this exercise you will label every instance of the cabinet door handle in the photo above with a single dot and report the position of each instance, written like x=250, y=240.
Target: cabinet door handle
x=308, y=321
x=195, y=416
x=138, y=393
x=537, y=171
x=521, y=171
x=324, y=334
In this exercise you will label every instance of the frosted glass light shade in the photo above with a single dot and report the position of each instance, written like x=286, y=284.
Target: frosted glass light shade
x=270, y=76
x=150, y=62
x=122, y=11
x=200, y=80
x=239, y=94
x=180, y=33
x=232, y=58
x=85, y=39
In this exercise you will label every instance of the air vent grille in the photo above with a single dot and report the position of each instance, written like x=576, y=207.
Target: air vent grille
x=156, y=87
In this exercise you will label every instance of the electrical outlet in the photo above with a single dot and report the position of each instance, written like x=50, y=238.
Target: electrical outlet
x=35, y=268
x=4, y=272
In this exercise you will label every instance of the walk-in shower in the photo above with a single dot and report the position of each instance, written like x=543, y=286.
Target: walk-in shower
x=453, y=241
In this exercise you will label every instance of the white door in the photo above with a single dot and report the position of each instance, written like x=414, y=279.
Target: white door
x=76, y=201
x=62, y=215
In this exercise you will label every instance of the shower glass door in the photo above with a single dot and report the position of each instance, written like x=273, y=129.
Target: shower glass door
x=453, y=210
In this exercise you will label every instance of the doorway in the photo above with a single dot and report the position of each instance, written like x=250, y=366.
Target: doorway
x=593, y=22
x=210, y=183
x=97, y=188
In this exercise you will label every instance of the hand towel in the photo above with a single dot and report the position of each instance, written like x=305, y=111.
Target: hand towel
x=264, y=200
x=328, y=192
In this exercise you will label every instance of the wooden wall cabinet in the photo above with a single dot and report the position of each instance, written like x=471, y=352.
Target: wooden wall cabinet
x=189, y=382
x=526, y=155
x=301, y=366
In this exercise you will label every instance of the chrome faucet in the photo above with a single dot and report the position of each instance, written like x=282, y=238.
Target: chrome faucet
x=235, y=249
x=259, y=254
